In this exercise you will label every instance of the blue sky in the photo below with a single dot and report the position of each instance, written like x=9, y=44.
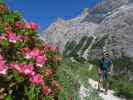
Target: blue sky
x=44, y=12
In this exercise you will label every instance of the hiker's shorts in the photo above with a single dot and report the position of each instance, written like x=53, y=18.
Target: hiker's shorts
x=104, y=76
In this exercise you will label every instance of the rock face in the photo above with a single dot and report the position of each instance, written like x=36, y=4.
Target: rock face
x=109, y=25
x=62, y=31
x=120, y=25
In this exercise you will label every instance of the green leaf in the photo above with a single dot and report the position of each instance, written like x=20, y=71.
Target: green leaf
x=19, y=44
x=9, y=18
x=2, y=1
x=5, y=43
x=47, y=98
x=17, y=77
x=30, y=92
x=8, y=97
x=1, y=29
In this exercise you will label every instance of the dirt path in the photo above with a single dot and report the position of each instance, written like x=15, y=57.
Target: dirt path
x=110, y=95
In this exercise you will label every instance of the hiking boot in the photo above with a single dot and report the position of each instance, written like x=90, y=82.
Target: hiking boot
x=105, y=93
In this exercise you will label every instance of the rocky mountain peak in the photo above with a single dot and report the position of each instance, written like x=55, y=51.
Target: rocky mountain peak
x=108, y=25
x=85, y=12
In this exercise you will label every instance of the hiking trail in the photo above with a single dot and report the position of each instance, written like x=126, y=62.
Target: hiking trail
x=84, y=92
x=109, y=96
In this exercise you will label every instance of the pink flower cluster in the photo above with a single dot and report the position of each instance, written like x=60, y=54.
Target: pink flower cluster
x=32, y=26
x=35, y=54
x=50, y=47
x=28, y=69
x=3, y=66
x=37, y=79
x=23, y=68
x=13, y=38
x=19, y=24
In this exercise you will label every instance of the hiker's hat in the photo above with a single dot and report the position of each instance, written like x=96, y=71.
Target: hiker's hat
x=105, y=52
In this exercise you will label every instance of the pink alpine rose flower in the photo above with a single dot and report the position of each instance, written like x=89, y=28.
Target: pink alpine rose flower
x=23, y=69
x=2, y=38
x=28, y=69
x=28, y=55
x=35, y=53
x=32, y=54
x=3, y=70
x=26, y=52
x=51, y=47
x=41, y=60
x=19, y=24
x=34, y=26
x=37, y=79
x=20, y=38
x=1, y=58
x=18, y=67
x=3, y=66
x=46, y=90
x=12, y=37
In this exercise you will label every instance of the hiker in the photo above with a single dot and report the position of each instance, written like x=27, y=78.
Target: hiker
x=105, y=67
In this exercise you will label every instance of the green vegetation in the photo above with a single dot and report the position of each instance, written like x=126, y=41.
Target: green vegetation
x=123, y=70
x=69, y=46
x=1, y=1
x=73, y=47
x=121, y=83
x=69, y=74
x=88, y=42
x=81, y=42
x=99, y=44
x=122, y=87
x=123, y=63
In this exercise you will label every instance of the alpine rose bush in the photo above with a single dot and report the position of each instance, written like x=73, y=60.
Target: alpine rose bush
x=27, y=67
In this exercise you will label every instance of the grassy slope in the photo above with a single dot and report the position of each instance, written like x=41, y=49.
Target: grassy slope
x=120, y=82
x=69, y=75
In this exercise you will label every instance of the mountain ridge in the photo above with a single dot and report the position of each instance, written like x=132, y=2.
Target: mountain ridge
x=111, y=23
